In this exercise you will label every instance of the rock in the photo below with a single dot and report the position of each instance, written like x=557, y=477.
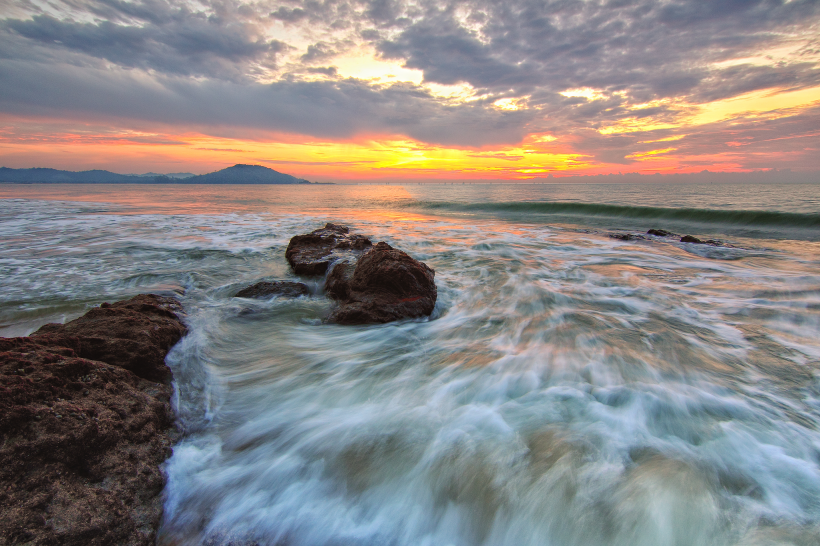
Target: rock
x=625, y=236
x=311, y=254
x=134, y=334
x=659, y=233
x=264, y=289
x=695, y=240
x=385, y=285
x=338, y=282
x=81, y=439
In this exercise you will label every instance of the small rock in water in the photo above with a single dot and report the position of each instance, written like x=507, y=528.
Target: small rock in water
x=624, y=236
x=372, y=284
x=263, y=289
x=386, y=285
x=311, y=254
x=695, y=240
x=659, y=233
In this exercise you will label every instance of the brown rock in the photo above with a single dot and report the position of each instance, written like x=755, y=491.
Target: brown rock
x=338, y=281
x=311, y=254
x=264, y=289
x=135, y=334
x=81, y=440
x=385, y=285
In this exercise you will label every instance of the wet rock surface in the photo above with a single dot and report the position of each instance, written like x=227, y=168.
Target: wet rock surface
x=660, y=233
x=311, y=254
x=85, y=423
x=385, y=285
x=372, y=284
x=695, y=240
x=626, y=236
x=264, y=289
x=135, y=334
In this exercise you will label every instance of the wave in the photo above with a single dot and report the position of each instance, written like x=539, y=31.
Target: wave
x=712, y=216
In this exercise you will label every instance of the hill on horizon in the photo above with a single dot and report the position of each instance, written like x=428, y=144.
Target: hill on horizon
x=237, y=174
x=245, y=174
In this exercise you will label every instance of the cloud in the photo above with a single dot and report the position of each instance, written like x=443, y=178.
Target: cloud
x=201, y=63
x=326, y=109
x=289, y=15
x=326, y=70
x=183, y=42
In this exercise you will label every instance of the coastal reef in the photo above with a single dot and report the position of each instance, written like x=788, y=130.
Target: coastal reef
x=85, y=423
x=371, y=283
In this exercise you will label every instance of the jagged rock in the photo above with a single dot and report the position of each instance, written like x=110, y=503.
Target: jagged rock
x=82, y=440
x=264, y=289
x=385, y=285
x=311, y=254
x=660, y=233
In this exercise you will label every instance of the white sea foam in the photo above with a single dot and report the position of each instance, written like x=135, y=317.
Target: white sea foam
x=568, y=390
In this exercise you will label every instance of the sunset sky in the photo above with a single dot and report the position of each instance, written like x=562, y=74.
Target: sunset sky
x=393, y=89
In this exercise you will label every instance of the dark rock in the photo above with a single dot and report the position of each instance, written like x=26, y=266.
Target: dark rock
x=625, y=236
x=311, y=254
x=338, y=281
x=82, y=440
x=134, y=334
x=385, y=285
x=695, y=240
x=660, y=233
x=264, y=289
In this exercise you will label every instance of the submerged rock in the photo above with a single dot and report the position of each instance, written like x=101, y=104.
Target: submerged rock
x=625, y=236
x=311, y=254
x=264, y=289
x=385, y=285
x=83, y=430
x=660, y=233
x=695, y=240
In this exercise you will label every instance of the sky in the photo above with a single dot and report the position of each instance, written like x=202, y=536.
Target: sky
x=335, y=90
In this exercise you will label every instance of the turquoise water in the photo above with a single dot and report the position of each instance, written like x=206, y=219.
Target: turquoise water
x=569, y=389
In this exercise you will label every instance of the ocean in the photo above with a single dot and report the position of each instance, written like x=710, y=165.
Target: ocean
x=570, y=388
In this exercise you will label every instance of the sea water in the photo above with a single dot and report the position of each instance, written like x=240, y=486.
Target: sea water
x=570, y=388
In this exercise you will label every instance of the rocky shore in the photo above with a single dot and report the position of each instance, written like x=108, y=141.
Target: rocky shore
x=85, y=423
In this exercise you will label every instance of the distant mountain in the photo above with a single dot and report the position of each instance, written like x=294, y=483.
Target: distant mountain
x=238, y=174
x=169, y=175
x=245, y=174
x=56, y=176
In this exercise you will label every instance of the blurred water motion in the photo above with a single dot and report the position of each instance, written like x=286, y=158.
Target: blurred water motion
x=570, y=389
